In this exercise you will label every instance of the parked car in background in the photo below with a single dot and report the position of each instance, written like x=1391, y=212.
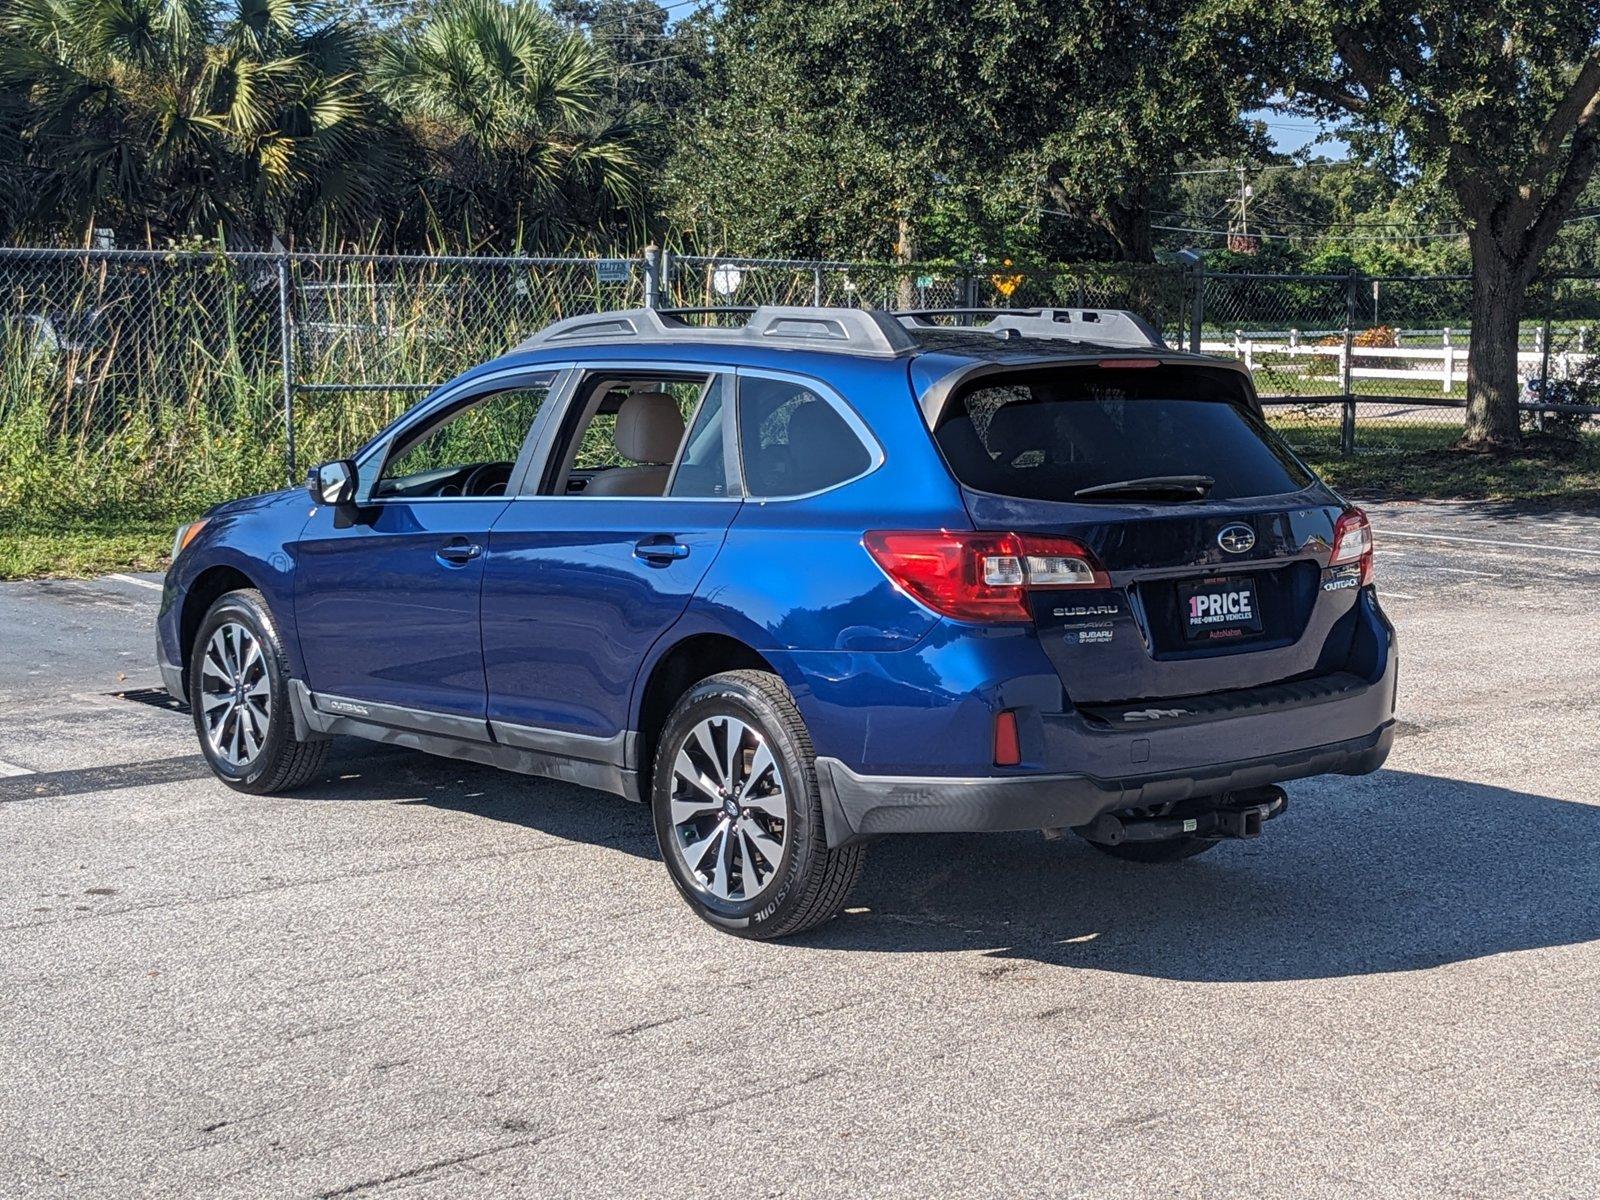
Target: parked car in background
x=818, y=577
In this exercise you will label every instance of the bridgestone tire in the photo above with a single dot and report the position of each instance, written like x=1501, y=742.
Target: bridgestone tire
x=283, y=761
x=811, y=883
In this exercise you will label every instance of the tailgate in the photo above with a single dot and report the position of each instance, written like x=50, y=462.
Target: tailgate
x=1184, y=615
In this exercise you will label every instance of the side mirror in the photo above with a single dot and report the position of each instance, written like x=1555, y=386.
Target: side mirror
x=333, y=483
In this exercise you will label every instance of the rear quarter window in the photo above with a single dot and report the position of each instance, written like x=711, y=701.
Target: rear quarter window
x=1046, y=434
x=792, y=441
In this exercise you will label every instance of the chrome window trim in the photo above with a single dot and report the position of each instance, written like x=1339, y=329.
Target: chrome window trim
x=847, y=413
x=565, y=377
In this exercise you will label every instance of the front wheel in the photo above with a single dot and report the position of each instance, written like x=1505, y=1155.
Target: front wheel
x=239, y=695
x=738, y=814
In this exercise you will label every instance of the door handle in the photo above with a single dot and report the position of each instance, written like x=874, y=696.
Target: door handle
x=660, y=549
x=458, y=552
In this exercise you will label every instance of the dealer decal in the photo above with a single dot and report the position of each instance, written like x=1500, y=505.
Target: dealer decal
x=1214, y=608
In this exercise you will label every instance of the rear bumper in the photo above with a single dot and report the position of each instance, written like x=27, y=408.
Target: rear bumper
x=859, y=806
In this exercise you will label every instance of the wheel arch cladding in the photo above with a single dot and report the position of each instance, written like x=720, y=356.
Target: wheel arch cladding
x=696, y=657
x=208, y=587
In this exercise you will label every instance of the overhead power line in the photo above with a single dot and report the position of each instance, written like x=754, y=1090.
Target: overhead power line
x=1309, y=237
x=1261, y=168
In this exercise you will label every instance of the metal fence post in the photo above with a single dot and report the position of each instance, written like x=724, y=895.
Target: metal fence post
x=1347, y=421
x=1197, y=306
x=652, y=276
x=286, y=344
x=816, y=286
x=1544, y=364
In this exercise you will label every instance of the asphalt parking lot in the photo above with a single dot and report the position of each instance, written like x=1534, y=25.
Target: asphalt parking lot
x=427, y=978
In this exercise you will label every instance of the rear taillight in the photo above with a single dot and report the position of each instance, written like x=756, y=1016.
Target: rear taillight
x=1352, y=543
x=981, y=576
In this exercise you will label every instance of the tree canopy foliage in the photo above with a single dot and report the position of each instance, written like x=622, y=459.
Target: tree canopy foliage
x=1492, y=104
x=472, y=123
x=945, y=127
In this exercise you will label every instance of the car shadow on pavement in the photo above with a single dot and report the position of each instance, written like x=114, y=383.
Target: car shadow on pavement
x=1392, y=872
x=366, y=771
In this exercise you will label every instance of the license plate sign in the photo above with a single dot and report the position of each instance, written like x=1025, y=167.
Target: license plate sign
x=1215, y=610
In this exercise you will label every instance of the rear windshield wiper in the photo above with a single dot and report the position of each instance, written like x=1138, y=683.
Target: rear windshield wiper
x=1178, y=487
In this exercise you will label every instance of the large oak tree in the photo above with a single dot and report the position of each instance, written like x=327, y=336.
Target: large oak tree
x=1495, y=102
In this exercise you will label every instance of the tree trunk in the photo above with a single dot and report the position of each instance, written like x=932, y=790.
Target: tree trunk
x=905, y=253
x=1493, y=387
x=1127, y=221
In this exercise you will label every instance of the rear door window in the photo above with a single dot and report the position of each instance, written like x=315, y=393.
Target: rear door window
x=702, y=468
x=793, y=441
x=1049, y=434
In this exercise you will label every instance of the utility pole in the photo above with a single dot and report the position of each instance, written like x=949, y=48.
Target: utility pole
x=1244, y=205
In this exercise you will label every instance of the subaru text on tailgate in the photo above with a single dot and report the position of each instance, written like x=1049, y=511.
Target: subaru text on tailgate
x=808, y=579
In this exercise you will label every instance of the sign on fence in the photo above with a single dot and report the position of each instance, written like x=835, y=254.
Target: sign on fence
x=613, y=270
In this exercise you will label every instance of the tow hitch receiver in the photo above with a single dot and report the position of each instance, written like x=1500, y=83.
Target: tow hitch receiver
x=1230, y=815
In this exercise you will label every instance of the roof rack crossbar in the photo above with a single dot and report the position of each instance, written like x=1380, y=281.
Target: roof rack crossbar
x=853, y=330
x=1115, y=327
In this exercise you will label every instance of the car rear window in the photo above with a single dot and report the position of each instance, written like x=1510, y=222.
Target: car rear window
x=1046, y=434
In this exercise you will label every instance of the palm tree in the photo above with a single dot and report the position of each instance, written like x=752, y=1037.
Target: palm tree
x=186, y=116
x=513, y=111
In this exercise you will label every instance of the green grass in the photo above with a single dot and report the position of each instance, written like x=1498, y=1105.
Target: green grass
x=1419, y=462
x=35, y=551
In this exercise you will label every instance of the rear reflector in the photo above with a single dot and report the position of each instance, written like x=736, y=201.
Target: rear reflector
x=1007, y=747
x=981, y=576
x=1352, y=543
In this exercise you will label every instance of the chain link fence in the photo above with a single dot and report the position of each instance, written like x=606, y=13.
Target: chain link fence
x=1371, y=364
x=153, y=383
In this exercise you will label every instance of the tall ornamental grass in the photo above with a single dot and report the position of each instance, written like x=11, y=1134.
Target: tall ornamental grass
x=149, y=387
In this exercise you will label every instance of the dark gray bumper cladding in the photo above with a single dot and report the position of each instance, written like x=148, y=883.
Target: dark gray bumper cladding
x=172, y=679
x=857, y=806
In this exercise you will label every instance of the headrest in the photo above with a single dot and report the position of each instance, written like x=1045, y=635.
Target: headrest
x=649, y=428
x=1015, y=428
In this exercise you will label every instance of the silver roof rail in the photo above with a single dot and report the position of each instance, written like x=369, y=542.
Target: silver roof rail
x=850, y=330
x=1097, y=326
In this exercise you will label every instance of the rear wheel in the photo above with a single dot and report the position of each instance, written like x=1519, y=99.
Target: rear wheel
x=738, y=814
x=239, y=695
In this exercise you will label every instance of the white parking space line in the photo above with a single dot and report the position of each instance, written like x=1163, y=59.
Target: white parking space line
x=1387, y=595
x=11, y=770
x=1496, y=543
x=144, y=583
x=1465, y=571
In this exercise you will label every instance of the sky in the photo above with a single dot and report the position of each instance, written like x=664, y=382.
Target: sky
x=1290, y=133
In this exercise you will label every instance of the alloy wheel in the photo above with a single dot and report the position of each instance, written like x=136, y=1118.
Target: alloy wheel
x=235, y=694
x=730, y=813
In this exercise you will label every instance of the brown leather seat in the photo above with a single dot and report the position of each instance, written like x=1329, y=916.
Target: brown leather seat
x=649, y=432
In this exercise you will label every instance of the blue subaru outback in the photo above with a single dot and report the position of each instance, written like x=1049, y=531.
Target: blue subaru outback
x=821, y=576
